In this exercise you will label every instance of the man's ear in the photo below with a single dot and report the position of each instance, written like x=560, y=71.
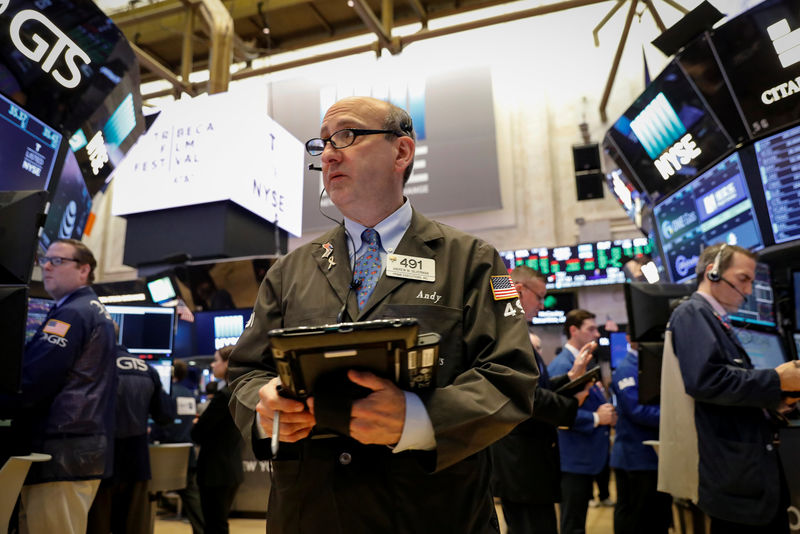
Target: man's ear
x=405, y=152
x=85, y=269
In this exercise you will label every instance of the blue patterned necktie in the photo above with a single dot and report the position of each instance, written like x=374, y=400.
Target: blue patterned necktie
x=368, y=266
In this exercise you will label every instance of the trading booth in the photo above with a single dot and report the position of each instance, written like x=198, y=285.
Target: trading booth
x=708, y=153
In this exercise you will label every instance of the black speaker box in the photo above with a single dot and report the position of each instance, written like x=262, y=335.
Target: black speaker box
x=586, y=157
x=589, y=185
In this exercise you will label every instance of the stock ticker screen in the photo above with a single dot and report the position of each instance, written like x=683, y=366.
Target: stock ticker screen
x=759, y=307
x=586, y=264
x=778, y=159
x=716, y=207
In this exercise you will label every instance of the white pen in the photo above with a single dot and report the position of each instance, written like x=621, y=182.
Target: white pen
x=276, y=427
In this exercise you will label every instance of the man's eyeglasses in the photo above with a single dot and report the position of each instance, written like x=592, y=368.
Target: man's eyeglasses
x=538, y=296
x=342, y=139
x=55, y=260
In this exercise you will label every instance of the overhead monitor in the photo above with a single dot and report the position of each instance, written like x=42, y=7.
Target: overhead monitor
x=765, y=349
x=586, y=264
x=70, y=206
x=556, y=307
x=217, y=329
x=146, y=331
x=21, y=214
x=29, y=151
x=778, y=158
x=714, y=208
x=650, y=306
x=759, y=53
x=162, y=289
x=628, y=195
x=759, y=307
x=668, y=135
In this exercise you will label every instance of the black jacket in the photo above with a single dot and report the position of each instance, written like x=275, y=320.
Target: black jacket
x=220, y=460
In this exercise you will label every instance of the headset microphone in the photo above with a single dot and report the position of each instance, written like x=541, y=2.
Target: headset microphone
x=312, y=167
x=722, y=278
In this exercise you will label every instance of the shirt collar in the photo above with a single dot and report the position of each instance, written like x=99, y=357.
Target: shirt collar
x=391, y=229
x=714, y=304
x=572, y=349
x=60, y=301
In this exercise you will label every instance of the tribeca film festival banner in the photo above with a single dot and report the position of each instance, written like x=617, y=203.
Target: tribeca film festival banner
x=214, y=148
x=455, y=167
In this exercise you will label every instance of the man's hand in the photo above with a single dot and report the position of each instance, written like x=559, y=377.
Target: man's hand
x=582, y=360
x=789, y=373
x=581, y=395
x=296, y=421
x=606, y=415
x=379, y=417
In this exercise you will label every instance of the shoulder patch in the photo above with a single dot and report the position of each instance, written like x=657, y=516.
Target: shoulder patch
x=56, y=327
x=502, y=287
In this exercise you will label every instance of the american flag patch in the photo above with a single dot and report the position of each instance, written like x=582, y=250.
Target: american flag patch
x=54, y=326
x=503, y=287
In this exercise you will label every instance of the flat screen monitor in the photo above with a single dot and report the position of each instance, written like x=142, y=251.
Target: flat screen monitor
x=145, y=330
x=29, y=151
x=162, y=289
x=758, y=52
x=766, y=350
x=759, y=307
x=586, y=264
x=714, y=208
x=70, y=206
x=20, y=219
x=217, y=329
x=37, y=311
x=556, y=307
x=618, y=342
x=778, y=158
x=668, y=135
x=650, y=306
x=650, y=358
x=164, y=369
x=13, y=308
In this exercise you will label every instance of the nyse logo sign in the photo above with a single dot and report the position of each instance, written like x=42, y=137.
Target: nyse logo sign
x=678, y=155
x=787, y=46
x=51, y=40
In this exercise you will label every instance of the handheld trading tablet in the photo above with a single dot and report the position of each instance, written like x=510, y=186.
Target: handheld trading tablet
x=390, y=348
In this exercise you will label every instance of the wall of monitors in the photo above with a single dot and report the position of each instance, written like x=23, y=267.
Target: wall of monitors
x=778, y=158
x=585, y=264
x=715, y=207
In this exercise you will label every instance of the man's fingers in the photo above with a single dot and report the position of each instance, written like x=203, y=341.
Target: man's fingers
x=366, y=379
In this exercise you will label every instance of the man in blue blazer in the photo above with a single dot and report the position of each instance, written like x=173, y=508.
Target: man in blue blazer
x=740, y=484
x=584, y=446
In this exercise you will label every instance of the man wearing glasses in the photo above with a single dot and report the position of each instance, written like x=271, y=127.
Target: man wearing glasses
x=68, y=394
x=406, y=463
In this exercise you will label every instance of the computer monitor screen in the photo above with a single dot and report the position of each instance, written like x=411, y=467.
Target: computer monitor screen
x=37, y=311
x=766, y=350
x=164, y=369
x=714, y=208
x=586, y=264
x=759, y=307
x=757, y=50
x=29, y=149
x=13, y=305
x=778, y=159
x=145, y=330
x=217, y=329
x=20, y=219
x=161, y=289
x=650, y=306
x=69, y=206
x=668, y=135
x=556, y=307
x=618, y=341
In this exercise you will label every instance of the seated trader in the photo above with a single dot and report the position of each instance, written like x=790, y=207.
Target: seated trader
x=584, y=446
x=69, y=382
x=639, y=508
x=404, y=452
x=526, y=472
x=739, y=478
x=122, y=503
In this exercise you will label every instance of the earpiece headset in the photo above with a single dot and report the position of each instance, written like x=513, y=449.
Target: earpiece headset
x=714, y=275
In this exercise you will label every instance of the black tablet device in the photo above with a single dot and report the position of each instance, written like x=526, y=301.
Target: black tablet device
x=390, y=348
x=577, y=385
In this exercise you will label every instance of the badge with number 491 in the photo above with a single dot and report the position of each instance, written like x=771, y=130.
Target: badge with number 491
x=412, y=268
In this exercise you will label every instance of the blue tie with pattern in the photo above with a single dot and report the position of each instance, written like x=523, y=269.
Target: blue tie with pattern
x=368, y=266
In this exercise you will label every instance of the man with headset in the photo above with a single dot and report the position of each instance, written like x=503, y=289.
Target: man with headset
x=740, y=483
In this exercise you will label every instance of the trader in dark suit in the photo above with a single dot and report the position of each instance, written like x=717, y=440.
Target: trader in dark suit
x=219, y=464
x=405, y=452
x=526, y=474
x=741, y=485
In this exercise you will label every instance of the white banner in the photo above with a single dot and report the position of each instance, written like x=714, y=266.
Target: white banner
x=215, y=148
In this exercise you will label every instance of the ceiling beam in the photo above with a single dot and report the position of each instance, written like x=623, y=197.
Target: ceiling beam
x=372, y=23
x=153, y=65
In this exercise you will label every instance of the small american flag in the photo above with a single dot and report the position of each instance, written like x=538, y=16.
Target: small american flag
x=54, y=326
x=503, y=287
